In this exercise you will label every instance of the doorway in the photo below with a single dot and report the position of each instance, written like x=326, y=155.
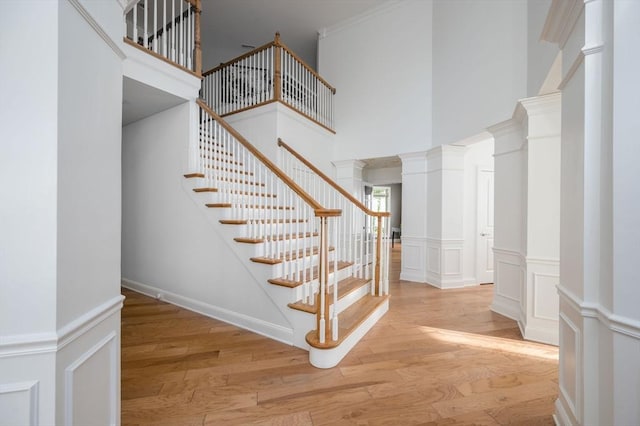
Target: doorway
x=484, y=237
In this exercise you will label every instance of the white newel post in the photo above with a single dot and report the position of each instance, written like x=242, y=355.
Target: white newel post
x=445, y=229
x=414, y=217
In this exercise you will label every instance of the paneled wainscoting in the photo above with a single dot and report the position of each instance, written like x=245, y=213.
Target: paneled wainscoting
x=437, y=357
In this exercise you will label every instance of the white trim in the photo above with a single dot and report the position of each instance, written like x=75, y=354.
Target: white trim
x=97, y=28
x=616, y=323
x=70, y=370
x=365, y=16
x=543, y=260
x=272, y=331
x=592, y=50
x=33, y=387
x=88, y=320
x=561, y=19
x=327, y=358
x=39, y=343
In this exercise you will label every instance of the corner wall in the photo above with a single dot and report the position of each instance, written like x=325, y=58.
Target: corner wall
x=60, y=223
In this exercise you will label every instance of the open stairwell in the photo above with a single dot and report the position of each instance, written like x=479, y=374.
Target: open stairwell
x=325, y=271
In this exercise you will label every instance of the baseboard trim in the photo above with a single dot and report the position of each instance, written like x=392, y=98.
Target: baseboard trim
x=272, y=331
x=505, y=309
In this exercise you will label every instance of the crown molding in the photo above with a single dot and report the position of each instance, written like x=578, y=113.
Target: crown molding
x=365, y=16
x=562, y=17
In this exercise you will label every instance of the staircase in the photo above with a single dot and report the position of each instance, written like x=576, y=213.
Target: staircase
x=326, y=271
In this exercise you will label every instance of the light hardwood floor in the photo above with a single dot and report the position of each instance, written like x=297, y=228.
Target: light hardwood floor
x=437, y=357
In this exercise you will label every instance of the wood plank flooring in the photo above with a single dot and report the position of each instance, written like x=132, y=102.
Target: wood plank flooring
x=436, y=358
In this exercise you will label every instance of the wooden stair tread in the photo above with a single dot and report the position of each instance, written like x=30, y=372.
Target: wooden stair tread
x=288, y=256
x=228, y=170
x=250, y=206
x=307, y=275
x=345, y=287
x=205, y=189
x=222, y=160
x=349, y=320
x=194, y=175
x=246, y=221
x=281, y=237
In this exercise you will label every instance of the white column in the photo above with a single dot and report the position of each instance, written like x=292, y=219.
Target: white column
x=60, y=264
x=349, y=176
x=542, y=212
x=445, y=199
x=509, y=216
x=414, y=217
x=600, y=205
x=527, y=217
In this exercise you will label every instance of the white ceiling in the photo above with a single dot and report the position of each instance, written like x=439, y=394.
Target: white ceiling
x=140, y=101
x=228, y=24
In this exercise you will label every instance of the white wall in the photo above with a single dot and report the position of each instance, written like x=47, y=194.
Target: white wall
x=381, y=68
x=60, y=225
x=167, y=243
x=479, y=65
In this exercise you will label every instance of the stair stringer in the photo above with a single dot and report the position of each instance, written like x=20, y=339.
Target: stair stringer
x=300, y=322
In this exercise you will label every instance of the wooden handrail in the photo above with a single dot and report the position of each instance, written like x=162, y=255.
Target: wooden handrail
x=319, y=210
x=277, y=43
x=330, y=181
x=304, y=64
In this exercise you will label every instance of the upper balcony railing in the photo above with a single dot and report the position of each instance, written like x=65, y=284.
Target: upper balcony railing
x=269, y=73
x=167, y=29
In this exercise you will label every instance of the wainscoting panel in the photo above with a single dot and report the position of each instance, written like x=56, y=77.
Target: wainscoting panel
x=545, y=296
x=19, y=403
x=508, y=283
x=570, y=367
x=91, y=385
x=414, y=259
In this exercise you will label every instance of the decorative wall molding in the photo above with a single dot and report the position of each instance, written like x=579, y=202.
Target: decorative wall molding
x=561, y=19
x=26, y=344
x=108, y=342
x=365, y=16
x=617, y=323
x=98, y=28
x=414, y=259
x=571, y=336
x=263, y=328
x=31, y=391
x=89, y=320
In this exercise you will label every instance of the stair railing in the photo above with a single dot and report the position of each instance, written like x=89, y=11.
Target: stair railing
x=266, y=74
x=275, y=212
x=167, y=29
x=364, y=234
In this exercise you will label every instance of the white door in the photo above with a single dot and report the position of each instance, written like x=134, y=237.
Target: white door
x=484, y=239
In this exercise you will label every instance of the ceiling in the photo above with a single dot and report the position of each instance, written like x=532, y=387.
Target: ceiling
x=140, y=101
x=226, y=25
